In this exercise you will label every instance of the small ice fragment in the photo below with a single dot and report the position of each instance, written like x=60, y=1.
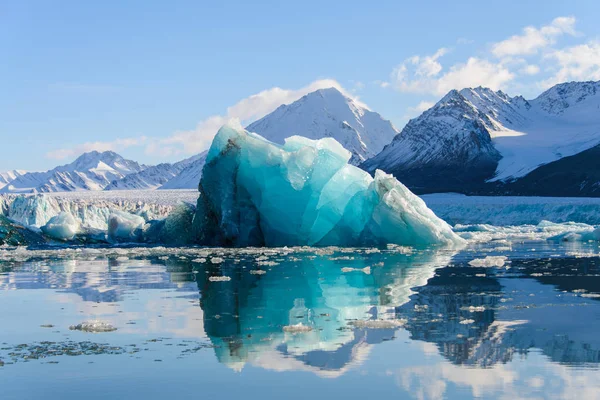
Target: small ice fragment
x=298, y=328
x=216, y=260
x=219, y=279
x=489, y=261
x=366, y=270
x=94, y=326
x=257, y=272
x=378, y=323
x=474, y=308
x=467, y=321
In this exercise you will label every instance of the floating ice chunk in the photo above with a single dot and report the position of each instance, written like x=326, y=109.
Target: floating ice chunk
x=467, y=321
x=366, y=270
x=123, y=226
x=378, y=323
x=94, y=326
x=258, y=272
x=256, y=193
x=219, y=279
x=62, y=226
x=489, y=261
x=474, y=309
x=298, y=328
x=585, y=235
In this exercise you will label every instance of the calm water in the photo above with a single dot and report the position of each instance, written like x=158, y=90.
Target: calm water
x=439, y=328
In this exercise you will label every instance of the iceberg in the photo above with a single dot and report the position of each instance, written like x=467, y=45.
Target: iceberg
x=256, y=193
x=123, y=226
x=62, y=226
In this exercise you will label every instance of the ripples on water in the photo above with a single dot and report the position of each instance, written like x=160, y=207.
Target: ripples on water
x=301, y=323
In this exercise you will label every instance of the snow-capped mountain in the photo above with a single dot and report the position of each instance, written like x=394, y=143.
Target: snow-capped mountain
x=155, y=176
x=328, y=113
x=91, y=171
x=9, y=176
x=482, y=140
x=189, y=177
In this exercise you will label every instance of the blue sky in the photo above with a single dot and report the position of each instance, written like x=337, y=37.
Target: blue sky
x=151, y=80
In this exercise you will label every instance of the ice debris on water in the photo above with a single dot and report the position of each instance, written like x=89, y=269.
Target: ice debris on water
x=94, y=326
x=298, y=328
x=366, y=270
x=256, y=193
x=378, y=323
x=219, y=279
x=489, y=261
x=467, y=321
x=258, y=272
x=473, y=309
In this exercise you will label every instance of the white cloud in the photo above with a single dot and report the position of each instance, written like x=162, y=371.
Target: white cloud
x=475, y=72
x=246, y=110
x=419, y=108
x=530, y=69
x=381, y=84
x=423, y=75
x=115, y=145
x=534, y=39
x=579, y=63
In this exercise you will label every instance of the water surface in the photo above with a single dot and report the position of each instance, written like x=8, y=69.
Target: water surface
x=397, y=322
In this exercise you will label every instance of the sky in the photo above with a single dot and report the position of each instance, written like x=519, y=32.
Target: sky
x=154, y=80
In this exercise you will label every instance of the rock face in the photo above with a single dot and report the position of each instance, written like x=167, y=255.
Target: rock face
x=91, y=171
x=482, y=141
x=256, y=193
x=328, y=113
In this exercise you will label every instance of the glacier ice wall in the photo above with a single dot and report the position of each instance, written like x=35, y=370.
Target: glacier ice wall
x=254, y=193
x=37, y=210
x=512, y=210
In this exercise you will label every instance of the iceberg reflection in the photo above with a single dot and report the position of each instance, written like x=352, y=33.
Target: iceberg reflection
x=246, y=316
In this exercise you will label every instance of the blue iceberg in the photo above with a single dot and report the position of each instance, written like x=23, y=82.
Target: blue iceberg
x=256, y=193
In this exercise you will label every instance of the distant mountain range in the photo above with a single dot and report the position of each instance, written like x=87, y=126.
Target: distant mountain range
x=473, y=141
x=486, y=142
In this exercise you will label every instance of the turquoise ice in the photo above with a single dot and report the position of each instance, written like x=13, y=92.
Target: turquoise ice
x=257, y=193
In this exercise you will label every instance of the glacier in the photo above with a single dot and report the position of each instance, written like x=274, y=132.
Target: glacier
x=256, y=193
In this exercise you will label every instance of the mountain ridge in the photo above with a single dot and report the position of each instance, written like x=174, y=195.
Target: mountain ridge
x=477, y=140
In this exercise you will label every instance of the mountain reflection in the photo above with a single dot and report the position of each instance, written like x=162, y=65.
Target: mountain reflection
x=480, y=320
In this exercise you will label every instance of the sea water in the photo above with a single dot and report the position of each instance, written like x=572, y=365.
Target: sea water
x=505, y=317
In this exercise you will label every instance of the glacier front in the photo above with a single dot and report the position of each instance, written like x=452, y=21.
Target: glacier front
x=257, y=193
